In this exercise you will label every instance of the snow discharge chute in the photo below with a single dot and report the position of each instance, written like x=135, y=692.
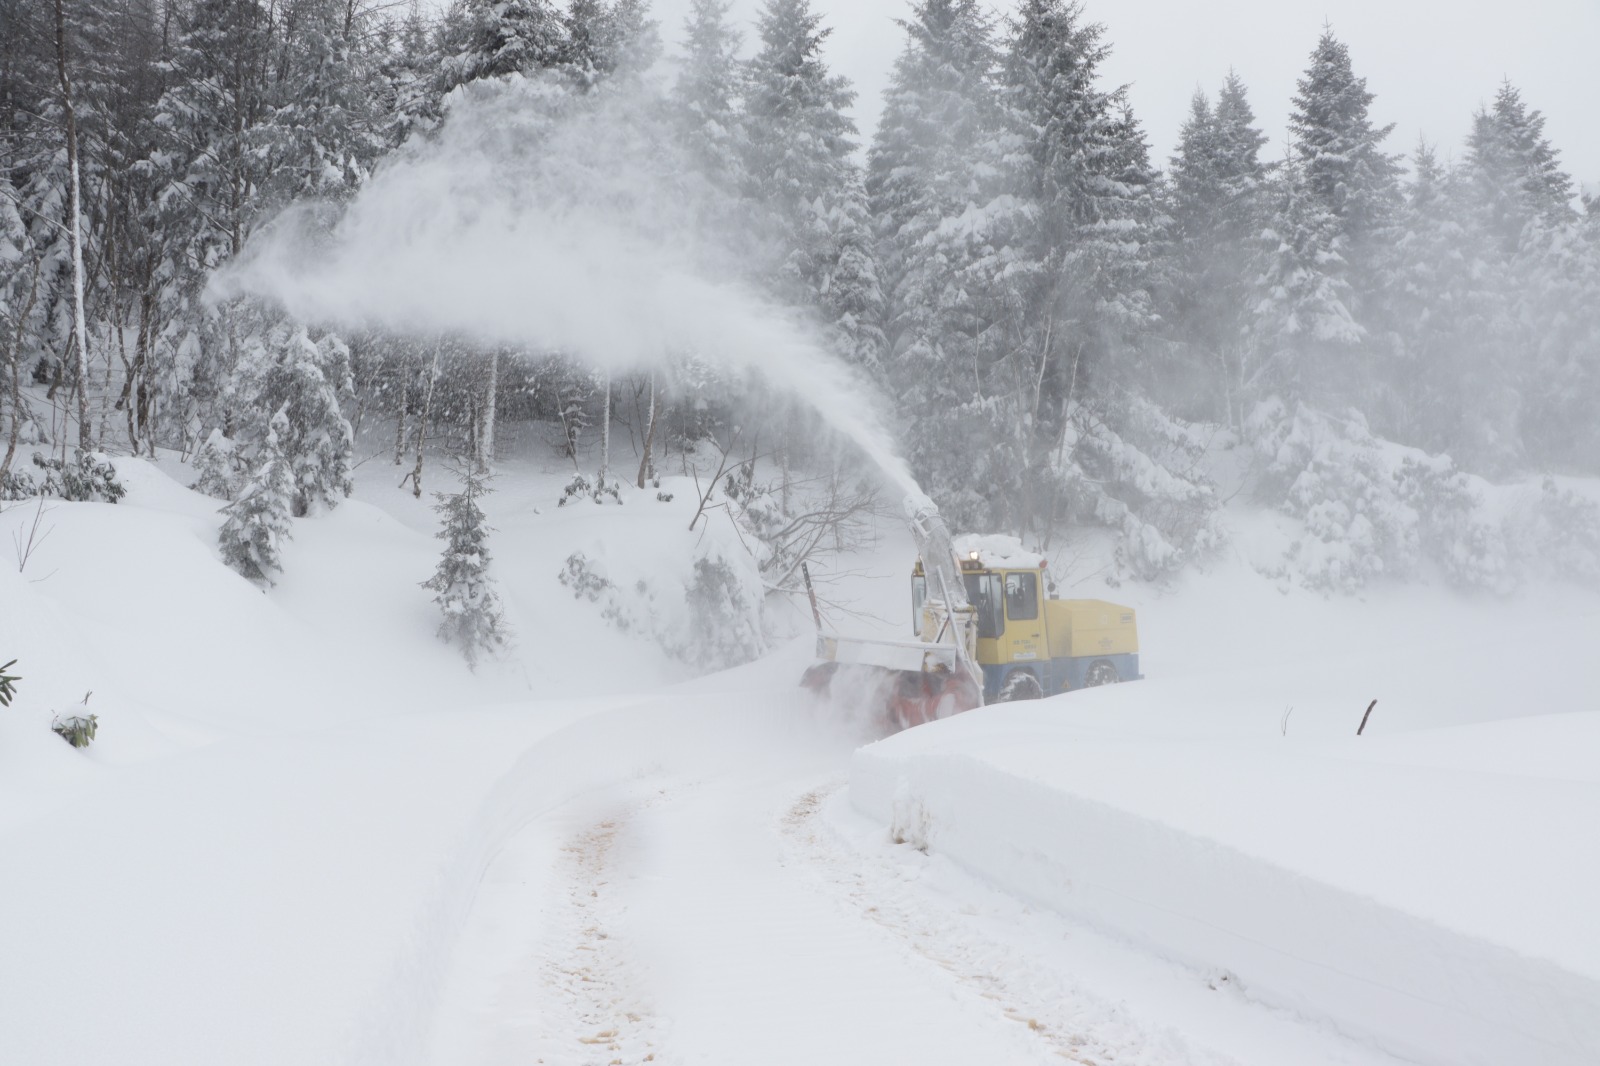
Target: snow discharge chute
x=911, y=682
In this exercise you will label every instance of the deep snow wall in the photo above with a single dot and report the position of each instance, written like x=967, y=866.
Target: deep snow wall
x=1418, y=989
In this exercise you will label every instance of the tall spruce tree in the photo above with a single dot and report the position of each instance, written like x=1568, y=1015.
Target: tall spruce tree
x=799, y=167
x=1514, y=172
x=928, y=182
x=924, y=169
x=1216, y=198
x=1079, y=245
x=1322, y=306
x=706, y=104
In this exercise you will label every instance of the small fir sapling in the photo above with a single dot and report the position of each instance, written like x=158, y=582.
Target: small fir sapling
x=259, y=520
x=8, y=684
x=463, y=587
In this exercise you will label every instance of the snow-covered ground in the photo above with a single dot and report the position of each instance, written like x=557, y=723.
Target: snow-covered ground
x=307, y=834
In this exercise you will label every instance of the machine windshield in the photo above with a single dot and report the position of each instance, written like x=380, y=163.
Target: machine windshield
x=984, y=592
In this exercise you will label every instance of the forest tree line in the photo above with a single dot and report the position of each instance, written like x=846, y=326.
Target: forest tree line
x=1065, y=325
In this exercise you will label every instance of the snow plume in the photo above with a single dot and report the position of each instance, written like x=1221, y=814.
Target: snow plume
x=557, y=221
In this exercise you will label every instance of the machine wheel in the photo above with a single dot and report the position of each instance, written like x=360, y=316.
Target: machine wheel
x=1020, y=685
x=1101, y=672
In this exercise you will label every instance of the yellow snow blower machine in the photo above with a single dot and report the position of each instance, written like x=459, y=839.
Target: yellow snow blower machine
x=989, y=629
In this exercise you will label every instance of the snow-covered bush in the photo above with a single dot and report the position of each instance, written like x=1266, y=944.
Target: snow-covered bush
x=1454, y=530
x=464, y=589
x=710, y=619
x=1562, y=532
x=1373, y=509
x=587, y=580
x=76, y=729
x=17, y=484
x=580, y=487
x=82, y=477
x=724, y=600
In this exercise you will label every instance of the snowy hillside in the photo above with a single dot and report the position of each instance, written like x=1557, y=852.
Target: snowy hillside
x=307, y=833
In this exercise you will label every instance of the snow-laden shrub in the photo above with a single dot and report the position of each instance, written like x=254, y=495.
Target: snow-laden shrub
x=724, y=600
x=76, y=729
x=82, y=477
x=588, y=581
x=17, y=484
x=1454, y=530
x=580, y=487
x=1372, y=509
x=709, y=619
x=1562, y=531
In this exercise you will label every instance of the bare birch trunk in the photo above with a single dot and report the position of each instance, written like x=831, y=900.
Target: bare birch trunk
x=400, y=420
x=422, y=426
x=647, y=466
x=605, y=433
x=79, y=327
x=486, y=424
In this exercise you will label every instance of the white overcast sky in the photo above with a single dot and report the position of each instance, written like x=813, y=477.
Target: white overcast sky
x=1430, y=62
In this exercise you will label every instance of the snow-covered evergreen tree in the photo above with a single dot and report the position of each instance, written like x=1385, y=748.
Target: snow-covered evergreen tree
x=412, y=74
x=601, y=38
x=321, y=134
x=1514, y=173
x=707, y=96
x=1558, y=324
x=1216, y=197
x=306, y=380
x=925, y=170
x=798, y=168
x=1321, y=306
x=491, y=38
x=1304, y=331
x=1451, y=387
x=258, y=521
x=462, y=585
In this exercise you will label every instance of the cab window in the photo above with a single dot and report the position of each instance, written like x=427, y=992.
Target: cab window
x=919, y=594
x=984, y=592
x=1022, y=597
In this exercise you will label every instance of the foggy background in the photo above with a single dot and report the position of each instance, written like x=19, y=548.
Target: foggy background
x=1431, y=64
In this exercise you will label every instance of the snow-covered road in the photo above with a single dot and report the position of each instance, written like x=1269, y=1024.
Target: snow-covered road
x=719, y=902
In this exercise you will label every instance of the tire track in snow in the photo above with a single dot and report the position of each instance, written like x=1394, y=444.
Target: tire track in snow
x=1069, y=1021
x=589, y=975
x=594, y=1013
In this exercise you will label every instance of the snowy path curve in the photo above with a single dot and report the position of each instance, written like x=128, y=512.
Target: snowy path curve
x=729, y=909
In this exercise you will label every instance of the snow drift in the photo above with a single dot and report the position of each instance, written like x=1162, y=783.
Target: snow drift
x=1431, y=892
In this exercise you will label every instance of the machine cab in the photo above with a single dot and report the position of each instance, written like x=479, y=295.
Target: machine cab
x=1007, y=604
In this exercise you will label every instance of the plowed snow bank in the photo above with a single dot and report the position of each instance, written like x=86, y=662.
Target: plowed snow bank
x=1433, y=891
